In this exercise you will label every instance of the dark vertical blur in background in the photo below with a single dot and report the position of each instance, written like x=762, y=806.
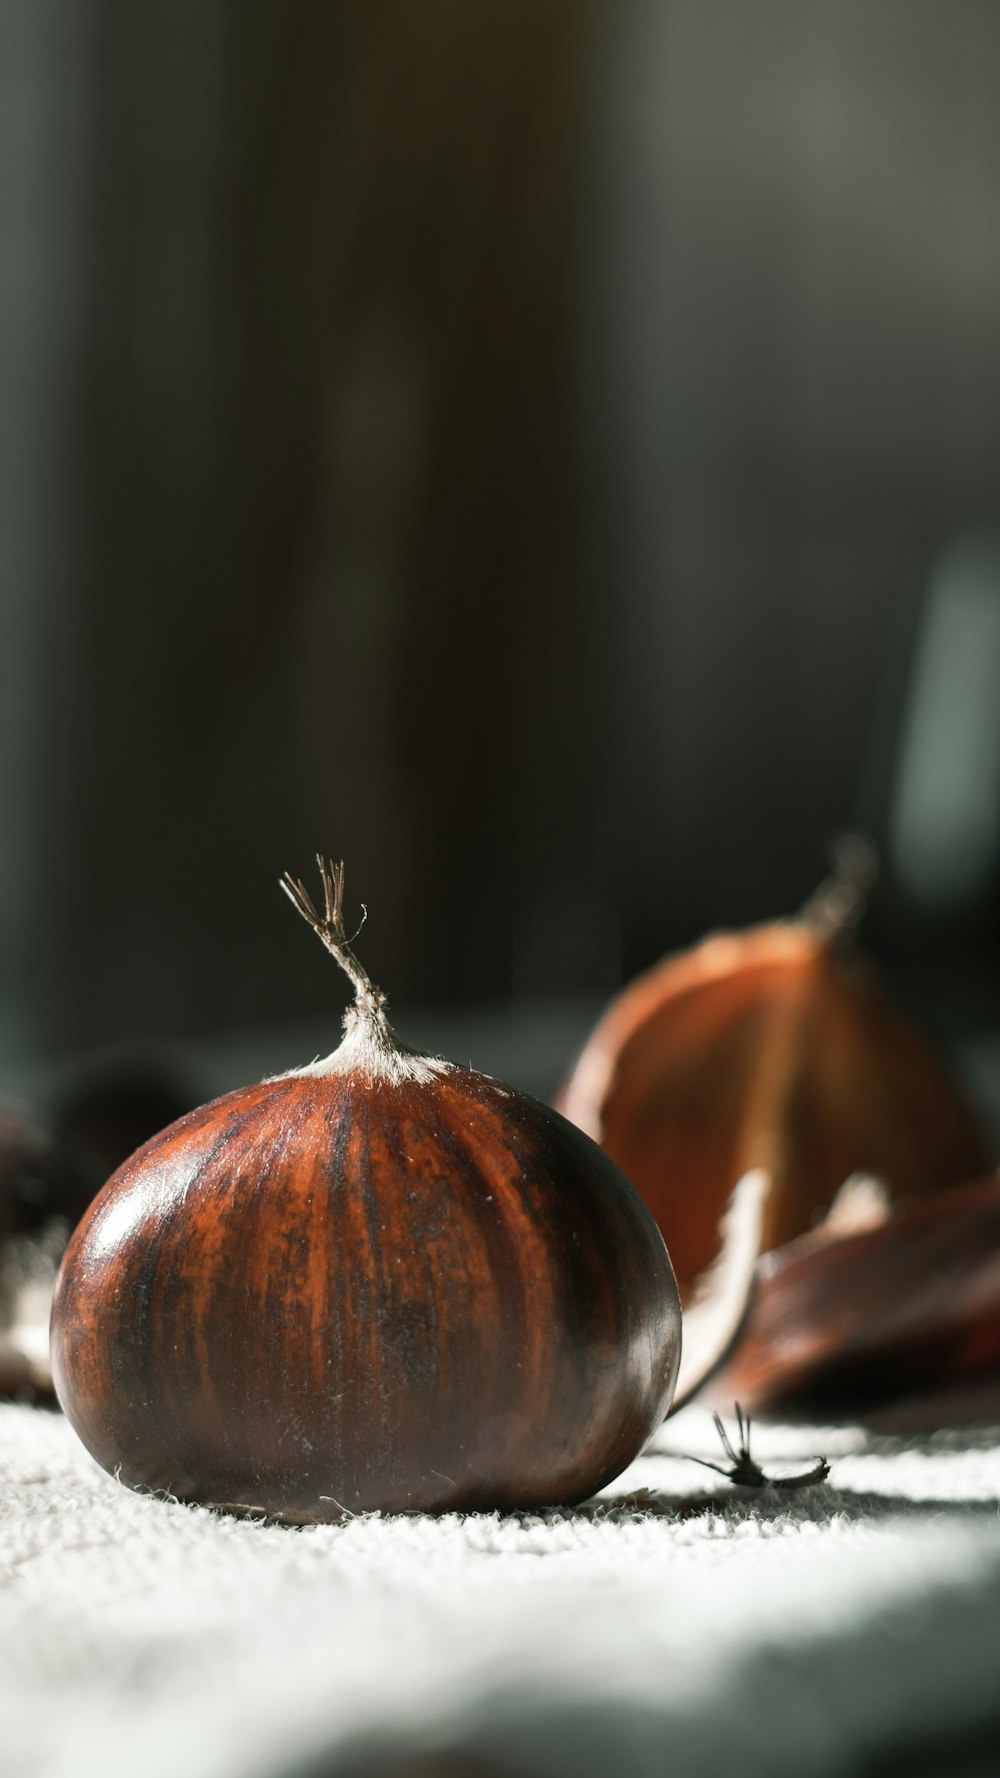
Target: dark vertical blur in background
x=544, y=452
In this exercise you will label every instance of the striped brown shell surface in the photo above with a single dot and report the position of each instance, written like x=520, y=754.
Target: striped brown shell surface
x=330, y=1294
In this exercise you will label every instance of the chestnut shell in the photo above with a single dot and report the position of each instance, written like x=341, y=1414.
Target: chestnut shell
x=767, y=1048
x=329, y=1294
x=842, y=1324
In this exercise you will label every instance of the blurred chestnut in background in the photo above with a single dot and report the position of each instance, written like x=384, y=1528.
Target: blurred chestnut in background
x=769, y=1048
x=52, y=1164
x=37, y=1189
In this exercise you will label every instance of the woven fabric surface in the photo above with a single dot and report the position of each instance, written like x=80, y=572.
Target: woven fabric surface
x=698, y=1630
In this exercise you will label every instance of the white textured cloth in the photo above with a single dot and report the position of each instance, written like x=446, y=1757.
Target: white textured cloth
x=818, y=1633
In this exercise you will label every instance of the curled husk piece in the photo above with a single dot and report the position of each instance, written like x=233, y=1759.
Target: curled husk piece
x=766, y=1049
x=715, y=1317
x=844, y=1321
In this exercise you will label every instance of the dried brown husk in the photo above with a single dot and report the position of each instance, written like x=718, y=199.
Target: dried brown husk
x=843, y=1322
x=768, y=1049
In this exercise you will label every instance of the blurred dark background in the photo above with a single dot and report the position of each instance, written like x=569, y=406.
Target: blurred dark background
x=544, y=452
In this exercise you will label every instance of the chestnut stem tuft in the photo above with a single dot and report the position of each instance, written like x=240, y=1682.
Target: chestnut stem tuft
x=329, y=927
x=841, y=899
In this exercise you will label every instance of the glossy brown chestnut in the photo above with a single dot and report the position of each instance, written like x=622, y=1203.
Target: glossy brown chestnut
x=381, y=1282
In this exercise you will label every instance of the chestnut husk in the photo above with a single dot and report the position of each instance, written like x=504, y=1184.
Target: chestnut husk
x=770, y=1049
x=381, y=1282
x=844, y=1322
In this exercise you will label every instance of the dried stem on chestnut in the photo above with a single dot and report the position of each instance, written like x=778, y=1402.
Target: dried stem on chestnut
x=329, y=927
x=839, y=903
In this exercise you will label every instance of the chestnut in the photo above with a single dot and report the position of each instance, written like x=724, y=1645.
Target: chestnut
x=378, y=1282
